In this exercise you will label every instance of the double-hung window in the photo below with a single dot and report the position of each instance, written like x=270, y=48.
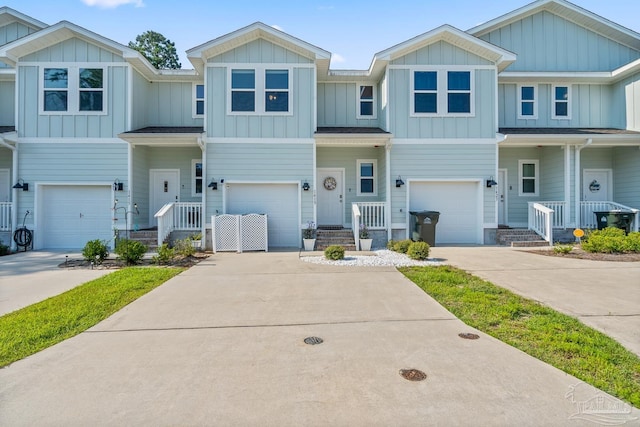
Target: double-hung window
x=198, y=100
x=527, y=102
x=276, y=90
x=425, y=92
x=459, y=92
x=366, y=102
x=196, y=177
x=260, y=91
x=561, y=108
x=442, y=93
x=367, y=170
x=243, y=90
x=73, y=90
x=528, y=179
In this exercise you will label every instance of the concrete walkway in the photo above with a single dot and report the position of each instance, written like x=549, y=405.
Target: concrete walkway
x=603, y=295
x=222, y=344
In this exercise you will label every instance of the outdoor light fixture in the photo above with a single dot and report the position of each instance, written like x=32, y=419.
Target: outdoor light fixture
x=21, y=184
x=306, y=186
x=213, y=184
x=117, y=185
x=491, y=182
x=399, y=182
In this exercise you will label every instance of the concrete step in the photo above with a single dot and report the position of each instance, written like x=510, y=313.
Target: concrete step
x=529, y=244
x=341, y=237
x=518, y=238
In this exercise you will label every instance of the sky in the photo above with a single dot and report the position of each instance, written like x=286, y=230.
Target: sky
x=353, y=31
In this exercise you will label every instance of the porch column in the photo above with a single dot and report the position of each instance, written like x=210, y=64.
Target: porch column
x=578, y=180
x=567, y=185
x=130, y=185
x=203, y=200
x=387, y=203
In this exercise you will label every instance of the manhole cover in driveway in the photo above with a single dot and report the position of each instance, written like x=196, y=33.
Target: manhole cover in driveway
x=313, y=340
x=413, y=374
x=469, y=336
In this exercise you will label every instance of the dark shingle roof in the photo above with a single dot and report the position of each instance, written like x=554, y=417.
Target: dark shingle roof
x=350, y=130
x=567, y=131
x=5, y=129
x=169, y=129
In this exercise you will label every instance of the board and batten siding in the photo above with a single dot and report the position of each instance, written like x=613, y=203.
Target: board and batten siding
x=547, y=42
x=552, y=173
x=7, y=106
x=626, y=103
x=140, y=102
x=140, y=185
x=11, y=32
x=442, y=162
x=6, y=160
x=261, y=162
x=73, y=50
x=338, y=105
x=518, y=206
x=170, y=104
x=626, y=176
x=177, y=158
x=260, y=51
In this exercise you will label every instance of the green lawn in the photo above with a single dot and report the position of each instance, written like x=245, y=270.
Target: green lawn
x=41, y=325
x=555, y=338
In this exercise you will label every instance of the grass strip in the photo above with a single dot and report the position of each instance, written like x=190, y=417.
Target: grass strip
x=41, y=325
x=555, y=338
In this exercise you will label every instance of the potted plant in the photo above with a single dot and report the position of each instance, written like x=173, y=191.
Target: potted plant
x=196, y=240
x=365, y=239
x=309, y=236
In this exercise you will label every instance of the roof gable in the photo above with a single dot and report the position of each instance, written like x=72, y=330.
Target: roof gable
x=8, y=16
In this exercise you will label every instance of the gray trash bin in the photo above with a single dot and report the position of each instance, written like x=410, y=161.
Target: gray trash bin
x=621, y=219
x=423, y=226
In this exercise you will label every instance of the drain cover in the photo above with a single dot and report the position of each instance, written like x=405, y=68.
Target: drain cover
x=413, y=374
x=313, y=340
x=469, y=336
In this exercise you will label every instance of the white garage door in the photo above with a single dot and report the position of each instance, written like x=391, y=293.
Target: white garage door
x=73, y=215
x=459, y=206
x=278, y=201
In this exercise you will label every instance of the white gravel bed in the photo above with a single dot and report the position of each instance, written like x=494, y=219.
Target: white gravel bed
x=381, y=258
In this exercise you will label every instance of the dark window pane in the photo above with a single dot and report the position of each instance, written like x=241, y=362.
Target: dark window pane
x=527, y=93
x=527, y=108
x=366, y=169
x=91, y=78
x=366, y=108
x=55, y=100
x=528, y=186
x=243, y=79
x=366, y=92
x=276, y=101
x=198, y=169
x=199, y=91
x=459, y=103
x=199, y=107
x=459, y=80
x=562, y=109
x=425, y=80
x=426, y=103
x=198, y=186
x=277, y=79
x=528, y=170
x=56, y=78
x=366, y=185
x=90, y=100
x=562, y=93
x=243, y=101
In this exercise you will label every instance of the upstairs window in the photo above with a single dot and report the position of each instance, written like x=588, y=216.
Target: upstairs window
x=243, y=90
x=561, y=108
x=458, y=92
x=73, y=90
x=91, y=89
x=56, y=89
x=527, y=102
x=425, y=84
x=366, y=102
x=528, y=179
x=196, y=177
x=198, y=100
x=260, y=91
x=442, y=93
x=367, y=177
x=277, y=90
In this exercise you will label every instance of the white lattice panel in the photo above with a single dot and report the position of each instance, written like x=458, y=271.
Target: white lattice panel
x=253, y=230
x=225, y=233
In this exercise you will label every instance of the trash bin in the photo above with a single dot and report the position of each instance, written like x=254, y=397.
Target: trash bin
x=423, y=226
x=621, y=219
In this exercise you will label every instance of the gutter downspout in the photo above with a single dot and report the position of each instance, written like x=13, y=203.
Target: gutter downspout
x=500, y=138
x=14, y=191
x=577, y=180
x=203, y=216
x=388, y=178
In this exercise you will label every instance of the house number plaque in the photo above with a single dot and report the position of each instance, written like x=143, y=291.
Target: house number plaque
x=330, y=183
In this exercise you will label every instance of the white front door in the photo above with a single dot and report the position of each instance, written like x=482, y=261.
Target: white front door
x=5, y=186
x=330, y=185
x=165, y=188
x=502, y=197
x=596, y=185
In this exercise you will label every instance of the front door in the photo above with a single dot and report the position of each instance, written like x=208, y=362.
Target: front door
x=4, y=185
x=164, y=189
x=595, y=185
x=330, y=185
x=502, y=197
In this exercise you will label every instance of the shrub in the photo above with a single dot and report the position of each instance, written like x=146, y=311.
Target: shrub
x=418, y=250
x=391, y=244
x=131, y=251
x=562, y=249
x=334, y=252
x=608, y=240
x=4, y=249
x=402, y=246
x=95, y=250
x=632, y=242
x=310, y=231
x=165, y=255
x=184, y=247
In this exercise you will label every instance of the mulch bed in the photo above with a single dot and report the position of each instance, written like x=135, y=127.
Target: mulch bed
x=578, y=253
x=114, y=264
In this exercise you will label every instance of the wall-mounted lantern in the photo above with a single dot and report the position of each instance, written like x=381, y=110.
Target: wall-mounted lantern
x=117, y=185
x=399, y=182
x=21, y=185
x=306, y=186
x=491, y=182
x=213, y=184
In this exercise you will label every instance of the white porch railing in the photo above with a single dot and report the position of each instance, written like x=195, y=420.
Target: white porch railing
x=5, y=216
x=371, y=214
x=559, y=209
x=178, y=216
x=588, y=218
x=541, y=221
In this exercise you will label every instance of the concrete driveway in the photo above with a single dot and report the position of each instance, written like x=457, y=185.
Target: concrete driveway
x=603, y=295
x=223, y=344
x=29, y=277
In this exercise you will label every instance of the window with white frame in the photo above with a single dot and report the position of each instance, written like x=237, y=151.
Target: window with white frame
x=73, y=90
x=442, y=93
x=561, y=108
x=528, y=178
x=367, y=170
x=196, y=177
x=527, y=102
x=198, y=100
x=366, y=102
x=259, y=91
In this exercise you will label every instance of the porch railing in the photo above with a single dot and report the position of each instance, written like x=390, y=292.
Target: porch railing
x=182, y=216
x=5, y=216
x=559, y=209
x=541, y=221
x=588, y=218
x=373, y=215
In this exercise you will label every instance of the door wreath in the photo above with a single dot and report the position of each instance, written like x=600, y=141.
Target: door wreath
x=330, y=183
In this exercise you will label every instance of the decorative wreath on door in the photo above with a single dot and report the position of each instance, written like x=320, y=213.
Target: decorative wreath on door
x=330, y=183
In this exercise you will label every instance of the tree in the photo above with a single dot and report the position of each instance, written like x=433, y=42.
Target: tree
x=159, y=50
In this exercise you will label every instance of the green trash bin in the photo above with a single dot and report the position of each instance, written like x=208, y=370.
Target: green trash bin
x=621, y=219
x=423, y=226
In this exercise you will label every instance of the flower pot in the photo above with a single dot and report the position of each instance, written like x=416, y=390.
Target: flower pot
x=196, y=244
x=309, y=244
x=365, y=244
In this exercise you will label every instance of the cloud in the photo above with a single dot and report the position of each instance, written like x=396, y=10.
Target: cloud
x=112, y=4
x=277, y=27
x=336, y=58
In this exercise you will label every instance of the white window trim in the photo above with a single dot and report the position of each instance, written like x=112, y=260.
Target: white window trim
x=260, y=90
x=193, y=178
x=73, y=90
x=536, y=178
x=374, y=101
x=374, y=177
x=194, y=105
x=553, y=102
x=442, y=92
x=534, y=116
